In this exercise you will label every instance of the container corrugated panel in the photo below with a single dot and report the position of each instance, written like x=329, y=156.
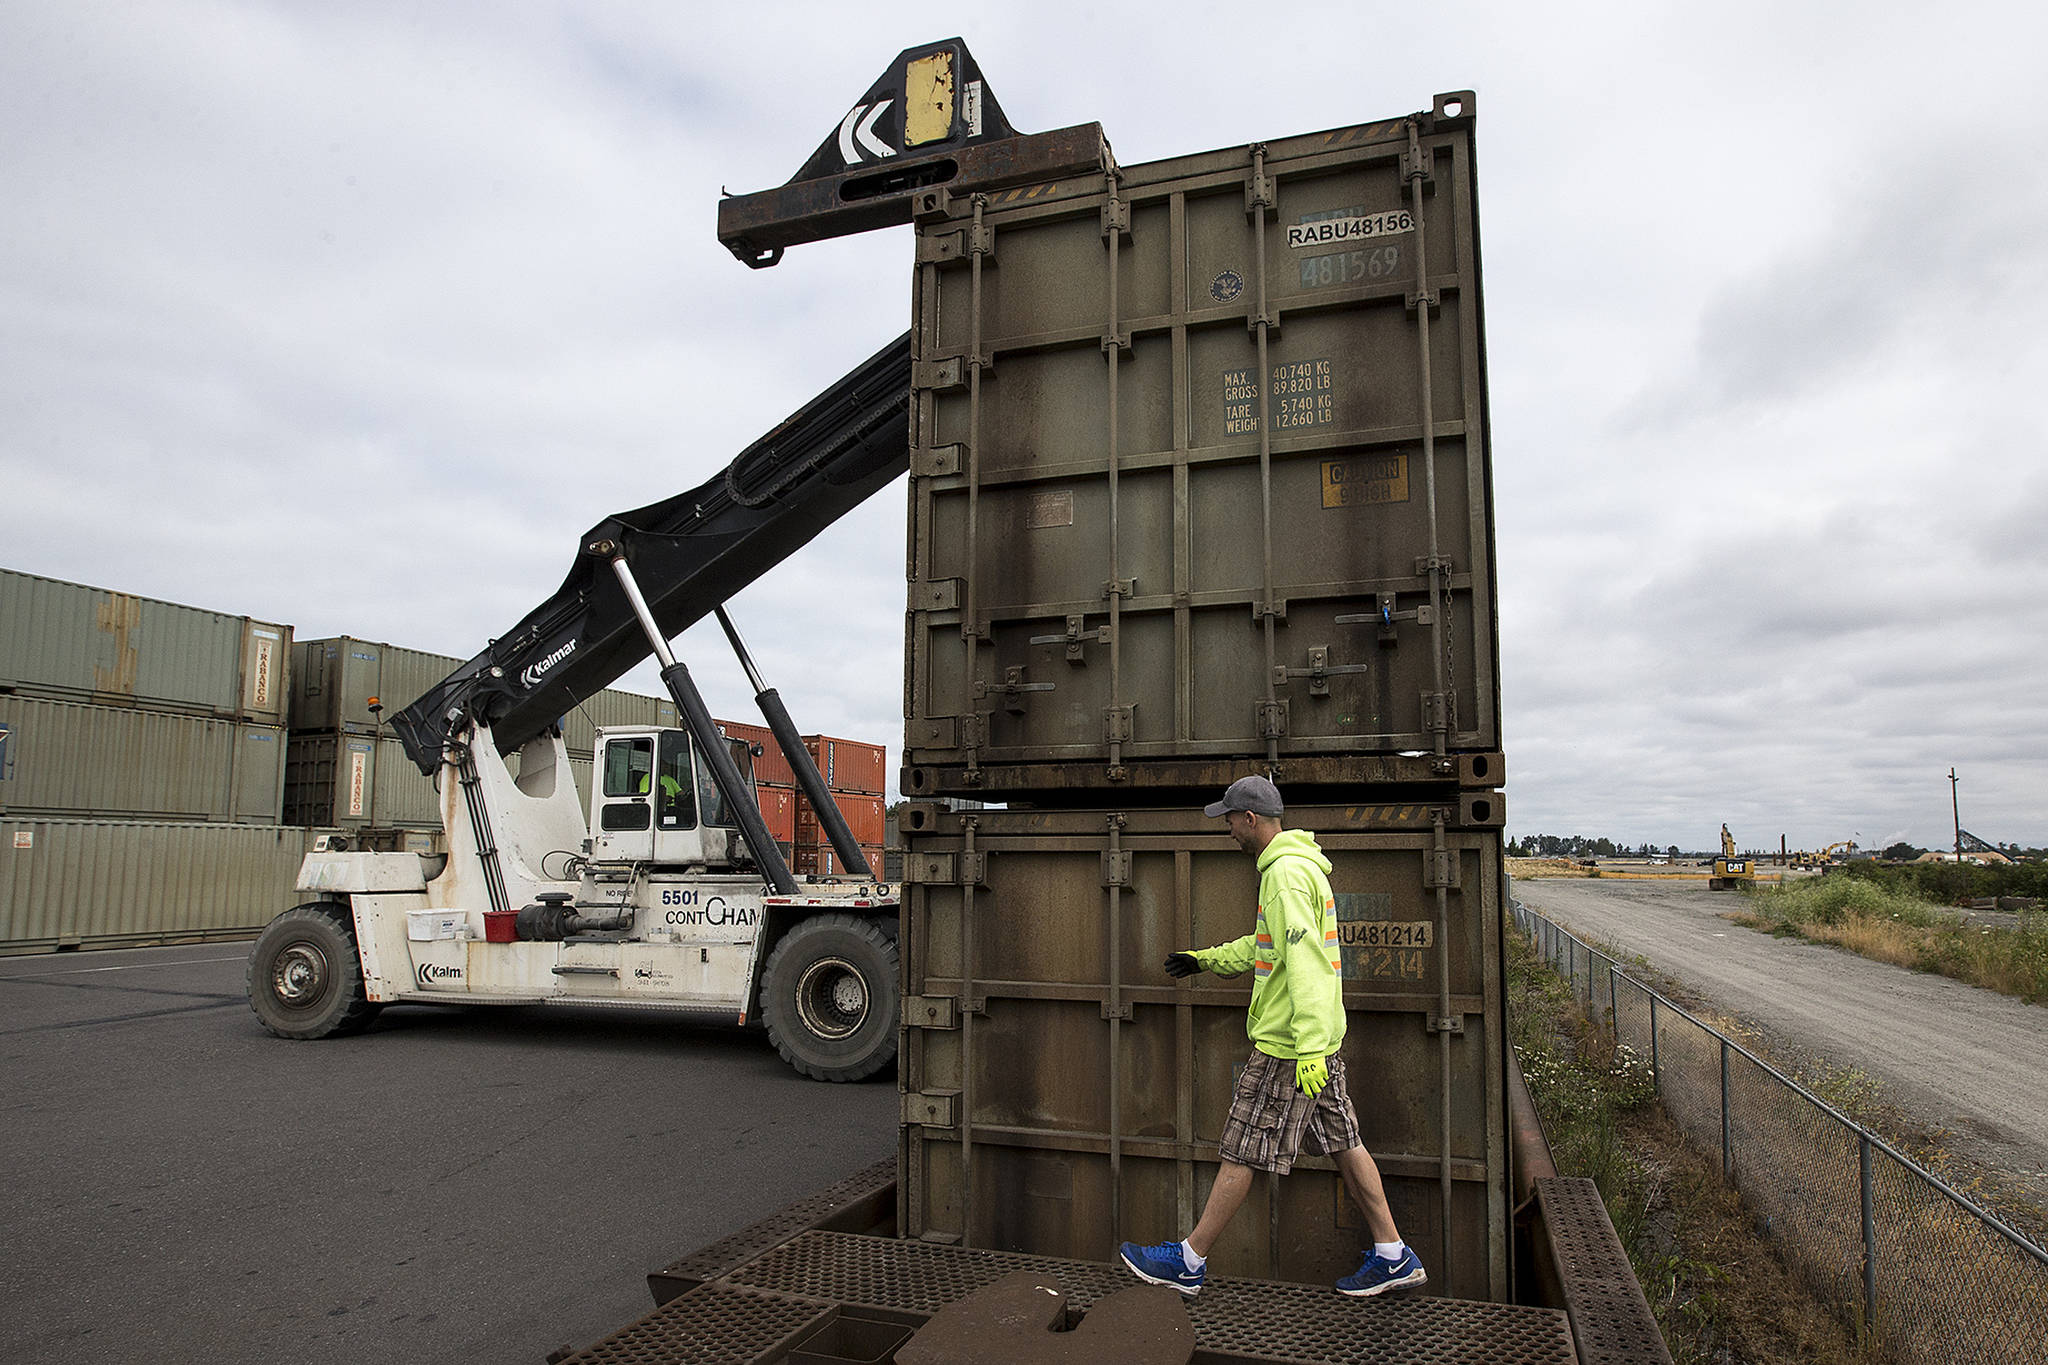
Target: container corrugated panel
x=72, y=642
x=866, y=819
x=98, y=883
x=771, y=765
x=118, y=762
x=335, y=678
x=1062, y=1094
x=348, y=781
x=778, y=809
x=848, y=765
x=1178, y=485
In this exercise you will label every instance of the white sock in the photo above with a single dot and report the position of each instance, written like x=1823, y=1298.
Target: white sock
x=1389, y=1251
x=1195, y=1260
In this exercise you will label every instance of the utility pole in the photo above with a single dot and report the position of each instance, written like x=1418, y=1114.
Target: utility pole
x=1956, y=810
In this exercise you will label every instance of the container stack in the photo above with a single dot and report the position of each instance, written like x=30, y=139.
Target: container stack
x=856, y=776
x=142, y=768
x=345, y=769
x=1200, y=487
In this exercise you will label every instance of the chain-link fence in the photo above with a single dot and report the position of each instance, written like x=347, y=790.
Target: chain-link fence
x=1927, y=1273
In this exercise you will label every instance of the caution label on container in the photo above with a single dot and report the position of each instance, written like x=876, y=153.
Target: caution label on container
x=1365, y=479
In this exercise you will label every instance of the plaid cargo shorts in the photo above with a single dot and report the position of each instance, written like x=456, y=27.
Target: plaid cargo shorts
x=1270, y=1120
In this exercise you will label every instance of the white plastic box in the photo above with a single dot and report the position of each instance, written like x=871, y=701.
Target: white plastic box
x=424, y=926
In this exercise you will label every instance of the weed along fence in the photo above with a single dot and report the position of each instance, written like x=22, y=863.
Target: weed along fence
x=1928, y=1274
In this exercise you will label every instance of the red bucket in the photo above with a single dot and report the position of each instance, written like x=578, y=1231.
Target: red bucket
x=501, y=926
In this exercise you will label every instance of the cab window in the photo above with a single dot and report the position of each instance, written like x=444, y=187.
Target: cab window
x=628, y=763
x=675, y=799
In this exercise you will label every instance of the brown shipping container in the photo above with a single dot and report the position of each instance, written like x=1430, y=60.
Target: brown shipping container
x=771, y=766
x=1062, y=1094
x=71, y=759
x=71, y=642
x=813, y=860
x=103, y=883
x=866, y=819
x=849, y=765
x=1193, y=476
x=348, y=781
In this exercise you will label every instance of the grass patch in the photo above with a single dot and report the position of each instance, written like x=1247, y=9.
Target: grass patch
x=1896, y=926
x=1719, y=1290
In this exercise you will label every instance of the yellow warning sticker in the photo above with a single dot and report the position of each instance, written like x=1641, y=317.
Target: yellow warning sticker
x=1365, y=479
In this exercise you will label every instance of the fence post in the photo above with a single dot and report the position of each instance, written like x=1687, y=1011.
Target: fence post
x=1727, y=1156
x=1613, y=1002
x=1869, y=1240
x=1656, y=1063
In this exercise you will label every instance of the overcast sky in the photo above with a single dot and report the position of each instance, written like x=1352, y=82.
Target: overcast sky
x=354, y=316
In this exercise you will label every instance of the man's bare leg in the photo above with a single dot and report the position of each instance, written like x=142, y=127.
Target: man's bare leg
x=1226, y=1196
x=1362, y=1177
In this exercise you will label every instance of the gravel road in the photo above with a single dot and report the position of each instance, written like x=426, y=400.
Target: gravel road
x=1949, y=1055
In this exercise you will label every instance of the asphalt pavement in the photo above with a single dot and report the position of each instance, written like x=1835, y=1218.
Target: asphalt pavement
x=1953, y=1057
x=453, y=1185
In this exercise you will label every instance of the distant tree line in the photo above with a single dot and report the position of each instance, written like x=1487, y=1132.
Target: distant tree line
x=1579, y=846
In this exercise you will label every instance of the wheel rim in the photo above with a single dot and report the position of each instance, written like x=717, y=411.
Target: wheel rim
x=299, y=976
x=832, y=998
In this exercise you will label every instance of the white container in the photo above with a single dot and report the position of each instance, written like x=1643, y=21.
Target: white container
x=424, y=926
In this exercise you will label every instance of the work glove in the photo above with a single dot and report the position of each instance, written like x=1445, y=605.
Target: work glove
x=1182, y=964
x=1311, y=1074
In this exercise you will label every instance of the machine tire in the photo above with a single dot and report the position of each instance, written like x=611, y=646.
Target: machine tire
x=830, y=997
x=305, y=980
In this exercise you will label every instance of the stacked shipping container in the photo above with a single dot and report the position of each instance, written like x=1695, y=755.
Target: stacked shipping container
x=856, y=776
x=142, y=766
x=1200, y=487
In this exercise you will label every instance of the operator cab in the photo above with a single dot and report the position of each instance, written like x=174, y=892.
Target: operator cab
x=654, y=800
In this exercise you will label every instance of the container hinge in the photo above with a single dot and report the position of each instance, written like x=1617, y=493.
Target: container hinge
x=1116, y=218
x=942, y=248
x=1118, y=723
x=1258, y=186
x=1277, y=609
x=1077, y=635
x=1120, y=1010
x=931, y=1011
x=945, y=869
x=974, y=731
x=932, y=1108
x=981, y=239
x=1448, y=1023
x=1272, y=720
x=1419, y=164
x=1117, y=345
x=938, y=462
x=1116, y=869
x=1440, y=868
x=1437, y=709
x=1318, y=672
x=1120, y=587
x=1425, y=565
x=938, y=376
x=1012, y=689
x=935, y=594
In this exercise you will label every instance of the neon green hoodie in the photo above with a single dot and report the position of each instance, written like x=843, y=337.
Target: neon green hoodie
x=1298, y=996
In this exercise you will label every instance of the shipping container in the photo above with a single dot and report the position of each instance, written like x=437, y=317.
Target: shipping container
x=349, y=781
x=1062, y=1094
x=609, y=708
x=820, y=860
x=105, y=883
x=71, y=642
x=771, y=765
x=335, y=679
x=1200, y=464
x=778, y=809
x=866, y=819
x=73, y=759
x=849, y=765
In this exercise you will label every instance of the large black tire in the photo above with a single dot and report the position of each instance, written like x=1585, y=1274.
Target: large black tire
x=831, y=998
x=305, y=980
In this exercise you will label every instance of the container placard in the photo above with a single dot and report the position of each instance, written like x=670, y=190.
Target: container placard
x=1375, y=947
x=1050, y=509
x=1300, y=396
x=1364, y=480
x=358, y=779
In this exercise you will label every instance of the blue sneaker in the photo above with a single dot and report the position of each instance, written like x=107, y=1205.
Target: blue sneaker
x=1163, y=1264
x=1377, y=1275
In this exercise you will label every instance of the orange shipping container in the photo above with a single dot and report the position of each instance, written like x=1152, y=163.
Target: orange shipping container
x=771, y=768
x=866, y=818
x=849, y=765
x=778, y=808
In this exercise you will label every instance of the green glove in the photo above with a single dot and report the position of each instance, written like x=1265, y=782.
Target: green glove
x=1311, y=1074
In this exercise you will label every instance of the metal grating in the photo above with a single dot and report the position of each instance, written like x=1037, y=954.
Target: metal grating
x=1248, y=1320
x=710, y=1325
x=1609, y=1314
x=708, y=1263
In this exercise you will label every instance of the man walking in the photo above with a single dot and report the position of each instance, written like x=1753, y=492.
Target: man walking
x=1292, y=1090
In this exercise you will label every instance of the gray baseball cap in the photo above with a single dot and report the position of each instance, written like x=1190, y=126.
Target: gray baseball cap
x=1255, y=794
